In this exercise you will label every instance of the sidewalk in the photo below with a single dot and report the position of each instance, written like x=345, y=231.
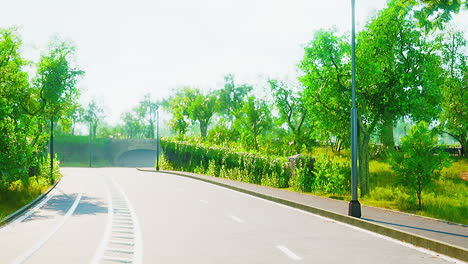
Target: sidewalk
x=434, y=229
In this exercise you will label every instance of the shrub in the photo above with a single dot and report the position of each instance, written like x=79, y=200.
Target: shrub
x=416, y=165
x=249, y=167
x=332, y=176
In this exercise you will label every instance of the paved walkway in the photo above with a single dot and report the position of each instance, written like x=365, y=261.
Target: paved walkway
x=450, y=233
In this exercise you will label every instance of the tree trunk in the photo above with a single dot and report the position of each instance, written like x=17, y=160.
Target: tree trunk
x=463, y=142
x=363, y=169
x=387, y=138
x=203, y=129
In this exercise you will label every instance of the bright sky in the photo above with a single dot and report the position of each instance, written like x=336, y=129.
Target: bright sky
x=132, y=47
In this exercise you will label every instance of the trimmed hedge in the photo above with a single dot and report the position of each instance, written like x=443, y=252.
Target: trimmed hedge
x=223, y=161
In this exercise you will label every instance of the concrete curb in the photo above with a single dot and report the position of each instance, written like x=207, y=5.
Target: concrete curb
x=18, y=212
x=420, y=241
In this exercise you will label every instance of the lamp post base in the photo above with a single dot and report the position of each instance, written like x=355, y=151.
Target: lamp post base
x=354, y=209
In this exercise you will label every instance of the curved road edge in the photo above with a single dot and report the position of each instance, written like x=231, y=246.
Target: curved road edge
x=416, y=240
x=20, y=211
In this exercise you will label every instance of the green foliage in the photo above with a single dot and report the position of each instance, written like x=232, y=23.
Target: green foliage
x=218, y=161
x=189, y=104
x=416, y=165
x=303, y=179
x=293, y=113
x=332, y=175
x=254, y=121
x=56, y=80
x=454, y=115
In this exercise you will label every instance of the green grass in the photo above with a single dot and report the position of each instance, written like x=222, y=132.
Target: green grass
x=18, y=194
x=445, y=199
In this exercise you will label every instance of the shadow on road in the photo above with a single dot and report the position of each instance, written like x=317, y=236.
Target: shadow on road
x=60, y=204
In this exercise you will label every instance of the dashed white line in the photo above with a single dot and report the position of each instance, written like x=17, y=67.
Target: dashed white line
x=204, y=201
x=288, y=253
x=41, y=242
x=237, y=219
x=405, y=244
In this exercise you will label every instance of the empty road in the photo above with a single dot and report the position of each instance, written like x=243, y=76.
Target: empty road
x=121, y=215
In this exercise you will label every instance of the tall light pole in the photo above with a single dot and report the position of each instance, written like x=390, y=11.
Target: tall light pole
x=354, y=208
x=52, y=180
x=157, y=139
x=90, y=158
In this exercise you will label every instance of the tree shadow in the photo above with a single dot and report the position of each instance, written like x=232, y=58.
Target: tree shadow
x=60, y=204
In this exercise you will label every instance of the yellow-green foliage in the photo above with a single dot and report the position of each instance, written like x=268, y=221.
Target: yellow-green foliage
x=18, y=193
x=14, y=195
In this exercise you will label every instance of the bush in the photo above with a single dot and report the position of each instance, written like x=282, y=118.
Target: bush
x=332, y=176
x=220, y=161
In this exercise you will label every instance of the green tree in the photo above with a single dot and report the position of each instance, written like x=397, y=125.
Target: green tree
x=93, y=114
x=201, y=109
x=397, y=76
x=17, y=128
x=454, y=116
x=434, y=14
x=177, y=106
x=132, y=126
x=190, y=104
x=56, y=80
x=292, y=112
x=399, y=70
x=147, y=111
x=326, y=80
x=232, y=97
x=254, y=120
x=417, y=165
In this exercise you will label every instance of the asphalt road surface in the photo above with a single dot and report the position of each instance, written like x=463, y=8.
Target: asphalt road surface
x=121, y=215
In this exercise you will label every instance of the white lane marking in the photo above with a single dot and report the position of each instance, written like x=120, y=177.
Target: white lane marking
x=138, y=246
x=423, y=250
x=288, y=253
x=237, y=219
x=204, y=201
x=105, y=237
x=31, y=211
x=41, y=242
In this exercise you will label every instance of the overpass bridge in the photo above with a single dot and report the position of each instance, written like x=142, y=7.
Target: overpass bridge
x=107, y=152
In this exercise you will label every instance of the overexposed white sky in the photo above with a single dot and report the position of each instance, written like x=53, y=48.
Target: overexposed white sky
x=132, y=47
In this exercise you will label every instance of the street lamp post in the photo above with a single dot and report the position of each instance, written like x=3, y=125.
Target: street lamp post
x=90, y=158
x=157, y=139
x=354, y=205
x=52, y=150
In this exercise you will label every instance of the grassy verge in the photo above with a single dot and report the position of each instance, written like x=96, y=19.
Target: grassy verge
x=18, y=194
x=14, y=195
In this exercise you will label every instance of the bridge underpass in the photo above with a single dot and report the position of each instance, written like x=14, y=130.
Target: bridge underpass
x=136, y=158
x=107, y=153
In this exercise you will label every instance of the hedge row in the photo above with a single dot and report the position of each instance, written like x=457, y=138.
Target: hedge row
x=221, y=161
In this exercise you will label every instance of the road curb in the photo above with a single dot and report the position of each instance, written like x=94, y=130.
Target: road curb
x=419, y=241
x=18, y=212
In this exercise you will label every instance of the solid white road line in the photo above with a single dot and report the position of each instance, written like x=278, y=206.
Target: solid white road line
x=41, y=242
x=30, y=211
x=237, y=219
x=288, y=253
